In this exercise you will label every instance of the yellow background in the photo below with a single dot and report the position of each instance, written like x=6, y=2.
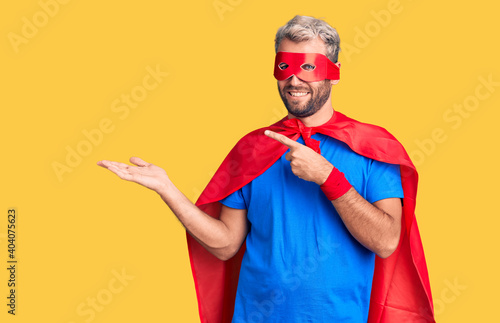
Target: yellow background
x=76, y=232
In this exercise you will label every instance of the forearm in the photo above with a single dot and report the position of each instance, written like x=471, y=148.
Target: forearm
x=372, y=227
x=222, y=237
x=210, y=232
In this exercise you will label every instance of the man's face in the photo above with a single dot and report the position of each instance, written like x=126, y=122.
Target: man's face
x=303, y=99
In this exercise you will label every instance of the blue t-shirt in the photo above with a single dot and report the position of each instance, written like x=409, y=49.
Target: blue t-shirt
x=301, y=263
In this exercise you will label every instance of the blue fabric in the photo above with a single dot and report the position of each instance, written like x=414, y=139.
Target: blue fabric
x=301, y=263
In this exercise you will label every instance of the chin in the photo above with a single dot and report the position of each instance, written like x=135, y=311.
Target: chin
x=301, y=113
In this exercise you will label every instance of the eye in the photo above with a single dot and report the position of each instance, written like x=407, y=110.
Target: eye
x=308, y=67
x=283, y=66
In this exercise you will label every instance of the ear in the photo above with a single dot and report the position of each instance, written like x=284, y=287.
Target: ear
x=333, y=82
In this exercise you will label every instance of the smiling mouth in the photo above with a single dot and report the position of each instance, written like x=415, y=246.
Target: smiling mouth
x=298, y=94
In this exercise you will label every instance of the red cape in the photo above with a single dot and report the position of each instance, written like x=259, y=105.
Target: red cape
x=401, y=290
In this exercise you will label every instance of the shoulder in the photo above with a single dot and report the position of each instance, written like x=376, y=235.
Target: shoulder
x=369, y=140
x=350, y=124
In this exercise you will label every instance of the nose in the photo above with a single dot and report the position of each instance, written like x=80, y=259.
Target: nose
x=294, y=80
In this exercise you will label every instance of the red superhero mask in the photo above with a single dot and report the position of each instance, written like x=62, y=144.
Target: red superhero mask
x=309, y=67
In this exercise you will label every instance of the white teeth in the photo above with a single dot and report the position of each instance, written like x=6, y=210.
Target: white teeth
x=298, y=93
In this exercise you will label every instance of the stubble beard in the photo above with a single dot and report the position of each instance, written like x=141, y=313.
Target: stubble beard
x=313, y=105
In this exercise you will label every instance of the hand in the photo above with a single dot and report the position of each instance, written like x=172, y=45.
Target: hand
x=305, y=162
x=145, y=174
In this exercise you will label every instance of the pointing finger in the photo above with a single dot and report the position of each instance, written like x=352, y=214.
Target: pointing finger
x=283, y=139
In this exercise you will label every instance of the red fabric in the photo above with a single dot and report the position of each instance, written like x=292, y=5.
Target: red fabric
x=335, y=185
x=324, y=68
x=401, y=290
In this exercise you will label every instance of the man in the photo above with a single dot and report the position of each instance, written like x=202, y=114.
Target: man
x=312, y=203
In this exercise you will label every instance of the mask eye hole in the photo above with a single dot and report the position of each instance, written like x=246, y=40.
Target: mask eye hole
x=307, y=67
x=283, y=66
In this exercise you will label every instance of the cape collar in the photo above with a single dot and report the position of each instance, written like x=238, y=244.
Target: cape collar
x=294, y=126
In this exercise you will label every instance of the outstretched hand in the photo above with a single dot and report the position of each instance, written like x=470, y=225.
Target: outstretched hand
x=305, y=162
x=143, y=173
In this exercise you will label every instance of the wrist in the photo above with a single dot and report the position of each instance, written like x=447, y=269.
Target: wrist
x=325, y=174
x=335, y=185
x=164, y=187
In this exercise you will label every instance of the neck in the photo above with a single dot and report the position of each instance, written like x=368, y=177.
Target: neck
x=322, y=116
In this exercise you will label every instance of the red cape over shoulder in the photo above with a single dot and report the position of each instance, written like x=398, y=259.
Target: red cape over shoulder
x=401, y=290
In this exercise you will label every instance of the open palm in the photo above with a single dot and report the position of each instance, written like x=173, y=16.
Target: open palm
x=143, y=173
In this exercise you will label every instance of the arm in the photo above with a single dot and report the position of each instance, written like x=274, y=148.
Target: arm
x=377, y=226
x=222, y=237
